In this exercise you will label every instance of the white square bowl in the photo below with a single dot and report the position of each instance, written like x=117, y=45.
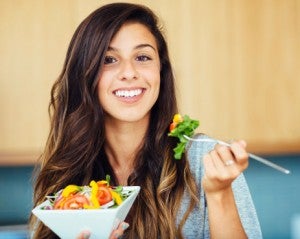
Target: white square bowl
x=68, y=224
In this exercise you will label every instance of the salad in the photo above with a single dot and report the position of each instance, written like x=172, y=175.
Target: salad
x=180, y=127
x=96, y=195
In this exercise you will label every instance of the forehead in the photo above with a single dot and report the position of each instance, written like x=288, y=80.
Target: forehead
x=131, y=34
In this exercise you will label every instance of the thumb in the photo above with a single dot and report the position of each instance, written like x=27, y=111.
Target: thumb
x=84, y=235
x=243, y=143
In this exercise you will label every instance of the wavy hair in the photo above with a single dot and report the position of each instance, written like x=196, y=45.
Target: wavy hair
x=74, y=152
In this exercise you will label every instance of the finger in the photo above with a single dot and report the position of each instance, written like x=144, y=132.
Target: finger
x=117, y=233
x=218, y=162
x=217, y=176
x=84, y=235
x=228, y=163
x=243, y=143
x=225, y=155
x=239, y=151
x=209, y=166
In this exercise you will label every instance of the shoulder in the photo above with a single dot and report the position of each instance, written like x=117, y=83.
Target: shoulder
x=196, y=149
x=195, y=152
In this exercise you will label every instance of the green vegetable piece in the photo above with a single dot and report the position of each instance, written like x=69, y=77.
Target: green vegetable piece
x=186, y=127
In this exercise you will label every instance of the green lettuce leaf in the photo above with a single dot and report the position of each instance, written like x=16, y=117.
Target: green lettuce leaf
x=186, y=127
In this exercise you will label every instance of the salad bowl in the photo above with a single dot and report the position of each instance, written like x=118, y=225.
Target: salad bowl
x=68, y=224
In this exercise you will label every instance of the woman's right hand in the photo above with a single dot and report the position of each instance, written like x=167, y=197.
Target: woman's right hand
x=223, y=165
x=116, y=234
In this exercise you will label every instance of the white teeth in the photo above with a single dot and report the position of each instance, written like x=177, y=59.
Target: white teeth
x=128, y=93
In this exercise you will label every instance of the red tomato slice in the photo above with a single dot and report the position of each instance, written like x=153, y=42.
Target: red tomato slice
x=59, y=202
x=172, y=126
x=104, y=196
x=75, y=201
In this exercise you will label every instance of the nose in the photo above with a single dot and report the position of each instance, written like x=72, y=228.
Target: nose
x=128, y=71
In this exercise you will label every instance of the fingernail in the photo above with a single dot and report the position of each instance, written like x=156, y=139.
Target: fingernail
x=125, y=226
x=117, y=235
x=244, y=143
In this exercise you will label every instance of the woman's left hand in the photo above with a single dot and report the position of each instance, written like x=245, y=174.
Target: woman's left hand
x=116, y=234
x=222, y=165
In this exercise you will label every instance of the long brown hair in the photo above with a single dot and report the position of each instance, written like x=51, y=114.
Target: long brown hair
x=74, y=153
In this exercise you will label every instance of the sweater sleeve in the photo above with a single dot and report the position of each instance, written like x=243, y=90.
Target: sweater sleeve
x=243, y=199
x=246, y=208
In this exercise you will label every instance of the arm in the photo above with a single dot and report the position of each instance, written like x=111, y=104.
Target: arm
x=223, y=216
x=224, y=219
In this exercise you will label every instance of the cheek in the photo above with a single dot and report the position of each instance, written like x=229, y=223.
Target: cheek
x=155, y=87
x=153, y=74
x=102, y=88
x=156, y=80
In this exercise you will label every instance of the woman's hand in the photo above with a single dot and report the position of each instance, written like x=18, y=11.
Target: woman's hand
x=223, y=165
x=116, y=234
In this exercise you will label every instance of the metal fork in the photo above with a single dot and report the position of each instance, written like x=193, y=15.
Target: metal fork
x=253, y=156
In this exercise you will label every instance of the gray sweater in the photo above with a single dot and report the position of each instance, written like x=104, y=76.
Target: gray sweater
x=196, y=225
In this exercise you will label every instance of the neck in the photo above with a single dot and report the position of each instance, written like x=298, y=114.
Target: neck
x=123, y=141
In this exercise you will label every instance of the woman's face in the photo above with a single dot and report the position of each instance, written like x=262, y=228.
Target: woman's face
x=129, y=84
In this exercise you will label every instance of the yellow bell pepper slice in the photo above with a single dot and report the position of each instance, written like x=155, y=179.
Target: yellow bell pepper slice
x=177, y=118
x=102, y=183
x=70, y=189
x=116, y=197
x=94, y=192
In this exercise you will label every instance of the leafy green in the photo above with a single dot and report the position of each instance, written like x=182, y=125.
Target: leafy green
x=186, y=127
x=107, y=178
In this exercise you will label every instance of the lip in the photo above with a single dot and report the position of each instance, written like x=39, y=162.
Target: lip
x=129, y=99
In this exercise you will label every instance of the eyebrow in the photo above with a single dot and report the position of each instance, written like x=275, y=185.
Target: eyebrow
x=110, y=48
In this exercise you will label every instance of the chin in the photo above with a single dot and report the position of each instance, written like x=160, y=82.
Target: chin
x=133, y=116
x=137, y=117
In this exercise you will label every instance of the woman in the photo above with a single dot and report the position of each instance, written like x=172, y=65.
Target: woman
x=111, y=108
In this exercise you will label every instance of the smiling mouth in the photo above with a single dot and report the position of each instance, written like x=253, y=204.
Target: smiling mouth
x=128, y=93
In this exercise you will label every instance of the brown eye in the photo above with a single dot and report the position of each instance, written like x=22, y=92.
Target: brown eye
x=143, y=58
x=109, y=60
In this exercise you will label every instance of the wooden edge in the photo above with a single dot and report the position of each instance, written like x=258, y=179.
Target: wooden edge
x=27, y=158
x=24, y=158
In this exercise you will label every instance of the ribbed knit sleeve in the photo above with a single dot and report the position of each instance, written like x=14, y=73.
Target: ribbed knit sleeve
x=197, y=225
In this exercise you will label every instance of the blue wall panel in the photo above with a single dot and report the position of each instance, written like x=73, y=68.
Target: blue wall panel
x=276, y=195
x=15, y=194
